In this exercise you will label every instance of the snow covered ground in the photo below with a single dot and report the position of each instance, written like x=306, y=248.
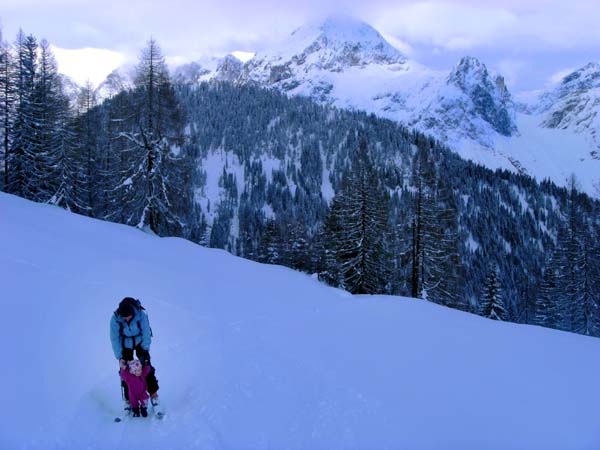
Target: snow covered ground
x=251, y=356
x=543, y=153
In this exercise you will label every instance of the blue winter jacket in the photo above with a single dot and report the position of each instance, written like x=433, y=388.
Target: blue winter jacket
x=136, y=332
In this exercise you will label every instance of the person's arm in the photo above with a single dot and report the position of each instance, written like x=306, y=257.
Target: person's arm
x=146, y=333
x=146, y=371
x=115, y=338
x=124, y=374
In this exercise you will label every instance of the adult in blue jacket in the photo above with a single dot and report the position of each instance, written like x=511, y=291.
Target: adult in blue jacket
x=130, y=332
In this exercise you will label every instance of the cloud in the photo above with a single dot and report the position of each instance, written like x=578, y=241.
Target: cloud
x=554, y=33
x=463, y=24
x=243, y=56
x=448, y=25
x=83, y=64
x=512, y=70
x=404, y=47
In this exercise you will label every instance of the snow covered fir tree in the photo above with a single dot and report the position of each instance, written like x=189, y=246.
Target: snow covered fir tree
x=492, y=305
x=369, y=205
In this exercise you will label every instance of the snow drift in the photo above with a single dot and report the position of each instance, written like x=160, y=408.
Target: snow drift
x=251, y=356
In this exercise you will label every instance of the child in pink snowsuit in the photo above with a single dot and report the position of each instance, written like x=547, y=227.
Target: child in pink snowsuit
x=135, y=378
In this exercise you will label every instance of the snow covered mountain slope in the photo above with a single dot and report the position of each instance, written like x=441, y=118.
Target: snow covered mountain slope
x=118, y=80
x=542, y=153
x=575, y=104
x=345, y=62
x=226, y=68
x=70, y=88
x=257, y=356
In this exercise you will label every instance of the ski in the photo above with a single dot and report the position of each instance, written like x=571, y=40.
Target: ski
x=158, y=415
x=126, y=413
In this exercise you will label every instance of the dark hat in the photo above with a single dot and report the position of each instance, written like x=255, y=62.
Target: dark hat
x=126, y=309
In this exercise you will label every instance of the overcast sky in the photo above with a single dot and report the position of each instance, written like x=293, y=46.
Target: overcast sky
x=530, y=42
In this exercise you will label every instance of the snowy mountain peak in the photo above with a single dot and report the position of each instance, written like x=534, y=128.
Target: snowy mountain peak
x=471, y=72
x=490, y=96
x=226, y=68
x=335, y=44
x=229, y=68
x=71, y=89
x=584, y=79
x=469, y=65
x=190, y=73
x=575, y=105
x=120, y=79
x=342, y=41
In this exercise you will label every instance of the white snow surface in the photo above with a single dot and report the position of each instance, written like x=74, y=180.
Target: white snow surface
x=252, y=356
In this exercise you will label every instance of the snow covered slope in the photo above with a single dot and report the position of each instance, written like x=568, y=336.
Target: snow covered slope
x=226, y=68
x=251, y=356
x=574, y=104
x=118, y=80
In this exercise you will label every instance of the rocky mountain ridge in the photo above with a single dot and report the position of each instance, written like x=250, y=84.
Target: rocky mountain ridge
x=344, y=62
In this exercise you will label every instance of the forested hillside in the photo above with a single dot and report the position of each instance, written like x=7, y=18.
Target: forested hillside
x=367, y=204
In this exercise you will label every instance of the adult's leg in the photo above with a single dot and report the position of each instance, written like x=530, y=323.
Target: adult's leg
x=151, y=380
x=127, y=355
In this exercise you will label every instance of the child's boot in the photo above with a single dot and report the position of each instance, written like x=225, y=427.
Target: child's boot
x=144, y=409
x=136, y=412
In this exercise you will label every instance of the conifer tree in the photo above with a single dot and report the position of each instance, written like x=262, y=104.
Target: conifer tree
x=590, y=287
x=23, y=136
x=271, y=247
x=113, y=153
x=6, y=107
x=68, y=172
x=434, y=242
x=327, y=264
x=155, y=173
x=362, y=211
x=86, y=152
x=492, y=305
x=547, y=305
x=298, y=247
x=570, y=248
x=51, y=119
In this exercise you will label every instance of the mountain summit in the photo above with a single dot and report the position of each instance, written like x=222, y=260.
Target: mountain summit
x=339, y=42
x=334, y=45
x=574, y=105
x=490, y=98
